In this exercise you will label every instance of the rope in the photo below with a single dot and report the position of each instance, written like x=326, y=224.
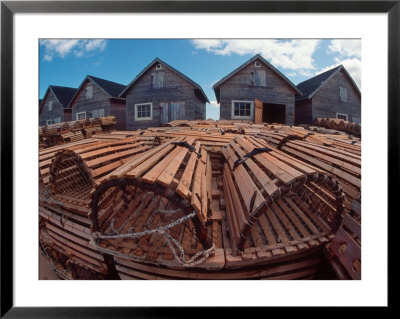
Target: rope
x=177, y=252
x=161, y=230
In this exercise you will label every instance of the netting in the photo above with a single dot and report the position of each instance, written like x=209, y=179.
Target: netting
x=70, y=176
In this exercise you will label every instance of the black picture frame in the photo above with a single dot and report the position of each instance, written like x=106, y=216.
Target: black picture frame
x=9, y=8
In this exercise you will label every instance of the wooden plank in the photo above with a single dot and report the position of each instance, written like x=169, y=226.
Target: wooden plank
x=327, y=167
x=350, y=223
x=183, y=188
x=297, y=222
x=107, y=158
x=169, y=172
x=258, y=111
x=262, y=178
x=272, y=165
x=316, y=219
x=110, y=149
x=277, y=227
x=267, y=229
x=348, y=252
x=146, y=162
x=285, y=221
x=301, y=214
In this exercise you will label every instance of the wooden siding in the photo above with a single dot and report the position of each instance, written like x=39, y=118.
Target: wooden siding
x=242, y=86
x=326, y=102
x=57, y=110
x=175, y=89
x=81, y=104
x=304, y=112
x=118, y=109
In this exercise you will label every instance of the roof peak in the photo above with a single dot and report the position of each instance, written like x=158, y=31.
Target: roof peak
x=196, y=85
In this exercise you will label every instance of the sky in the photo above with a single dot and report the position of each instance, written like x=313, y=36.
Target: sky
x=66, y=62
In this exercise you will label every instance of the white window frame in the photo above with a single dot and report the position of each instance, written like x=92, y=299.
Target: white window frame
x=50, y=105
x=77, y=115
x=49, y=122
x=257, y=64
x=91, y=93
x=342, y=114
x=144, y=118
x=158, y=66
x=242, y=117
x=57, y=120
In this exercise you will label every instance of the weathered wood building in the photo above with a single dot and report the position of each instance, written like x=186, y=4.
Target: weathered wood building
x=257, y=91
x=53, y=108
x=332, y=94
x=97, y=97
x=160, y=94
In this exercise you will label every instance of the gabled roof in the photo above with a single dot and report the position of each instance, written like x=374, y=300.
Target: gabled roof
x=112, y=89
x=200, y=91
x=254, y=58
x=63, y=95
x=311, y=86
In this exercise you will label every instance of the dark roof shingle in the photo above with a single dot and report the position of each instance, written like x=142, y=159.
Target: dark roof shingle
x=311, y=85
x=63, y=94
x=112, y=88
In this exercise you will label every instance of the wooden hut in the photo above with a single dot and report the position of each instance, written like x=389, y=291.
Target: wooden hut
x=258, y=92
x=160, y=94
x=331, y=94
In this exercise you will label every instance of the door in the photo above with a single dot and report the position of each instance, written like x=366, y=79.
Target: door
x=163, y=113
x=177, y=111
x=258, y=111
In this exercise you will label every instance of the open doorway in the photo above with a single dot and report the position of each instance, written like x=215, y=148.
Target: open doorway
x=274, y=113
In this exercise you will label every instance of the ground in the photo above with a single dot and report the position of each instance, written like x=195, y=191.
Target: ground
x=46, y=271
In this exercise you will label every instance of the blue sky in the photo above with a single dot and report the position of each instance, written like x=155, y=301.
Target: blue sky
x=66, y=62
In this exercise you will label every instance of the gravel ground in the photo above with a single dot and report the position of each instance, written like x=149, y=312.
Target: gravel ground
x=46, y=271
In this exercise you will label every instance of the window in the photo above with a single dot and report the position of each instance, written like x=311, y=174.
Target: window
x=50, y=105
x=48, y=122
x=158, y=66
x=242, y=109
x=343, y=94
x=97, y=113
x=57, y=120
x=81, y=115
x=143, y=111
x=257, y=64
x=89, y=92
x=341, y=116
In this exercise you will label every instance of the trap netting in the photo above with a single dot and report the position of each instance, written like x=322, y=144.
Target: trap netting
x=70, y=176
x=147, y=225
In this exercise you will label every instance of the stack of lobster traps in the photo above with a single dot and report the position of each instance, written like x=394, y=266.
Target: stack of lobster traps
x=188, y=202
x=340, y=125
x=67, y=175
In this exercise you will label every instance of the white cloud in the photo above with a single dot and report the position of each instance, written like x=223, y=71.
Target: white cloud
x=48, y=58
x=353, y=66
x=79, y=48
x=287, y=54
x=214, y=104
x=346, y=47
